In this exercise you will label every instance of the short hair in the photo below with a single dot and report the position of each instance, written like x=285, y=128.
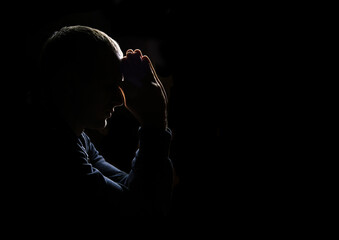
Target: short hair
x=75, y=48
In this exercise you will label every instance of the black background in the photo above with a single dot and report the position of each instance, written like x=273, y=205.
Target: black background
x=224, y=108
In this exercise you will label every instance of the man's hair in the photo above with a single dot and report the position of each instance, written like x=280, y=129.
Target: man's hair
x=76, y=49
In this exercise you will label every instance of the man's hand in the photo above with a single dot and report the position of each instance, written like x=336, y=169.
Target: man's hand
x=144, y=94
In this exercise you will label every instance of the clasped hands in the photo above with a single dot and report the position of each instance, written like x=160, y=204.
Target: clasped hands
x=143, y=93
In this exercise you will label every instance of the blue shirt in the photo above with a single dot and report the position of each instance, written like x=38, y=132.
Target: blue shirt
x=69, y=175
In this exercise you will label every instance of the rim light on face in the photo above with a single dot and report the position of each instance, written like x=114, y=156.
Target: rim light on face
x=123, y=95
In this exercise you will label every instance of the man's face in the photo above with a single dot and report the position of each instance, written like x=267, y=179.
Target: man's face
x=98, y=97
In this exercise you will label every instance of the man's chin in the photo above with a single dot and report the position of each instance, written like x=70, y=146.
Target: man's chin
x=104, y=124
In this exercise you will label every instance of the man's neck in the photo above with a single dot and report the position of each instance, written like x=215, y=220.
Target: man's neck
x=76, y=128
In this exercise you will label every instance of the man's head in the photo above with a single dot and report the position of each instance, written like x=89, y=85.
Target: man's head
x=81, y=69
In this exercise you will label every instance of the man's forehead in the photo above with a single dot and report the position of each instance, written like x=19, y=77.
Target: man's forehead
x=109, y=69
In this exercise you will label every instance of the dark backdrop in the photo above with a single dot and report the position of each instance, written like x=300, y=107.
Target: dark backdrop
x=216, y=63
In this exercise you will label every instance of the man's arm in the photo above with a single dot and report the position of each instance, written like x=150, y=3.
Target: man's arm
x=151, y=176
x=146, y=98
x=149, y=182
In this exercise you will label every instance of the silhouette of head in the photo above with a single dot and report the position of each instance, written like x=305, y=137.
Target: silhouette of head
x=81, y=69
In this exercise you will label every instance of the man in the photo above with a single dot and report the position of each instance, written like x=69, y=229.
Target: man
x=84, y=76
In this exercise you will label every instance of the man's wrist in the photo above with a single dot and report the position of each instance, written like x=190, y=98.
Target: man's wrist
x=161, y=125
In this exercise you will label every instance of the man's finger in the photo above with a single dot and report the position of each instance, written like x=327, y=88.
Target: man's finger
x=146, y=60
x=138, y=51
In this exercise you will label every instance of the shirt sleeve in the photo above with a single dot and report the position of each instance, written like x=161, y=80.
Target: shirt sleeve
x=151, y=176
x=149, y=182
x=99, y=163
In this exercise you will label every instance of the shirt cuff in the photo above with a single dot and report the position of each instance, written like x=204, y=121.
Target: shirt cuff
x=154, y=141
